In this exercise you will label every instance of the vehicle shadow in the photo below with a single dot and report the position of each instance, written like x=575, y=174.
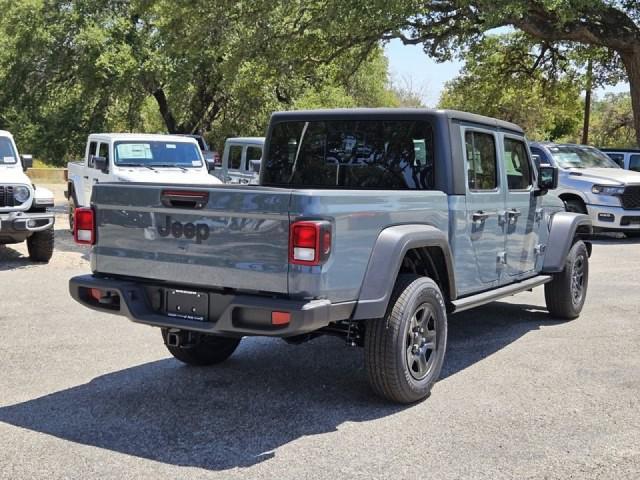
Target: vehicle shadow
x=237, y=414
x=11, y=259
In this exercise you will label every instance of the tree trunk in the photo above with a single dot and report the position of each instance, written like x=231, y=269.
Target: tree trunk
x=632, y=66
x=587, y=104
x=165, y=111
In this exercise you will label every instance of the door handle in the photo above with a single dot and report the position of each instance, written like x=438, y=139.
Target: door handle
x=513, y=215
x=480, y=216
x=86, y=177
x=95, y=180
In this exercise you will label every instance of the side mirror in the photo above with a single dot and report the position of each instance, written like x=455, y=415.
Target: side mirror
x=101, y=163
x=27, y=162
x=547, y=178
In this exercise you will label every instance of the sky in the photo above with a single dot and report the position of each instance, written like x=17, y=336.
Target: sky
x=409, y=64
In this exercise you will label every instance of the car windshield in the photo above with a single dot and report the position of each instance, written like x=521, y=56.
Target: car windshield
x=575, y=156
x=356, y=154
x=157, y=154
x=7, y=153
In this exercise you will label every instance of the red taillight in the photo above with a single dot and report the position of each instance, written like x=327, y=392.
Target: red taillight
x=84, y=226
x=310, y=242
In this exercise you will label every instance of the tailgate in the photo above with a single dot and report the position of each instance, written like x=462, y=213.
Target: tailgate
x=238, y=238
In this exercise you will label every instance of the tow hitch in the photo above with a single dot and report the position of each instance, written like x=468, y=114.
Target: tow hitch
x=181, y=339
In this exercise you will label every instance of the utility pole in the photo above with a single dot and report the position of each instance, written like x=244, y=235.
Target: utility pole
x=587, y=103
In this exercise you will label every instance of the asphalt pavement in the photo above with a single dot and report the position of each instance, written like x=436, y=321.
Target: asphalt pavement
x=88, y=395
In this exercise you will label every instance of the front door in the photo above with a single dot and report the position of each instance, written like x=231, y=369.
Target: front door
x=96, y=176
x=522, y=217
x=485, y=205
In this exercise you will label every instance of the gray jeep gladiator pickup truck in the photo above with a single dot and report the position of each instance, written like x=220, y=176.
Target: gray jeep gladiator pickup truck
x=373, y=225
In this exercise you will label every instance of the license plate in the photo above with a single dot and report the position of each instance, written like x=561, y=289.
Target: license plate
x=188, y=305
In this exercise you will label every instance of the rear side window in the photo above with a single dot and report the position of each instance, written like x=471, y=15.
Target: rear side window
x=354, y=154
x=253, y=153
x=517, y=165
x=634, y=163
x=93, y=146
x=235, y=157
x=7, y=154
x=482, y=164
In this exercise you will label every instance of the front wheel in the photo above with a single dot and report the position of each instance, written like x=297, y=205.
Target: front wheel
x=40, y=245
x=566, y=293
x=404, y=351
x=210, y=350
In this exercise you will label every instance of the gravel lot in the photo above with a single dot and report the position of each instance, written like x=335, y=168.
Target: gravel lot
x=87, y=395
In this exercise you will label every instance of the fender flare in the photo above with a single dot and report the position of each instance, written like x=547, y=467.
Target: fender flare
x=386, y=259
x=562, y=233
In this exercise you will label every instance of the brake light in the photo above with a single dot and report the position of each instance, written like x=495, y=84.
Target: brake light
x=84, y=226
x=309, y=243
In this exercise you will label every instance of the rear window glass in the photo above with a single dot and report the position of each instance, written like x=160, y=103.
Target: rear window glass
x=7, y=154
x=634, y=163
x=157, y=154
x=386, y=155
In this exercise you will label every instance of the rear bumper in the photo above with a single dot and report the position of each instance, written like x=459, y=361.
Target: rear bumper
x=229, y=314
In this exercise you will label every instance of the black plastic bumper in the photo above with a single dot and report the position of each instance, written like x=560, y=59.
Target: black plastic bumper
x=229, y=314
x=25, y=222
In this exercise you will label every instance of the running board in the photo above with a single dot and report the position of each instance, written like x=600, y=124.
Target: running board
x=486, y=297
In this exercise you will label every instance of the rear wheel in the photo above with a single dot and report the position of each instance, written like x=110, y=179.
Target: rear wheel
x=209, y=350
x=404, y=351
x=40, y=245
x=566, y=293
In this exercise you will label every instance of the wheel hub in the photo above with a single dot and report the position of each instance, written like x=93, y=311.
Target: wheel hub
x=421, y=342
x=577, y=280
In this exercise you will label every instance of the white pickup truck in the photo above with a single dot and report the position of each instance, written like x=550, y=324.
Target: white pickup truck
x=241, y=160
x=141, y=158
x=23, y=206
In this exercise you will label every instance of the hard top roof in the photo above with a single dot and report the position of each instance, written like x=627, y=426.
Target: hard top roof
x=143, y=137
x=386, y=113
x=258, y=140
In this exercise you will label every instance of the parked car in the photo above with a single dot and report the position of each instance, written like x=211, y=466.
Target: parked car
x=131, y=157
x=208, y=154
x=24, y=214
x=628, y=159
x=241, y=160
x=593, y=184
x=377, y=252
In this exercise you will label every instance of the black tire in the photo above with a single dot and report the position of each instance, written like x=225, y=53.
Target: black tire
x=72, y=208
x=209, y=351
x=394, y=365
x=40, y=245
x=566, y=293
x=574, y=205
x=632, y=234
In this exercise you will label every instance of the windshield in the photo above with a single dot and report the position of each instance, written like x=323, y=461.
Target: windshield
x=575, y=156
x=157, y=154
x=363, y=154
x=7, y=153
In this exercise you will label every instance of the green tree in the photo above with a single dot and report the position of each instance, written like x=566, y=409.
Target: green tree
x=448, y=26
x=503, y=78
x=612, y=121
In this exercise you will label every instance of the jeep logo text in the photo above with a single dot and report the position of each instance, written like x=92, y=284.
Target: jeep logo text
x=199, y=231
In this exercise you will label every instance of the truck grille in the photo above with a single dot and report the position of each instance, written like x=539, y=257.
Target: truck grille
x=6, y=197
x=631, y=198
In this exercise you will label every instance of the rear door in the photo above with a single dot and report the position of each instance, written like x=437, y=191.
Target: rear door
x=235, y=157
x=522, y=216
x=485, y=203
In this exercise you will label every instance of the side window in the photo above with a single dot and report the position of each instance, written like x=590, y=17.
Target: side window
x=235, y=157
x=103, y=151
x=634, y=163
x=253, y=153
x=618, y=158
x=93, y=146
x=482, y=164
x=517, y=164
